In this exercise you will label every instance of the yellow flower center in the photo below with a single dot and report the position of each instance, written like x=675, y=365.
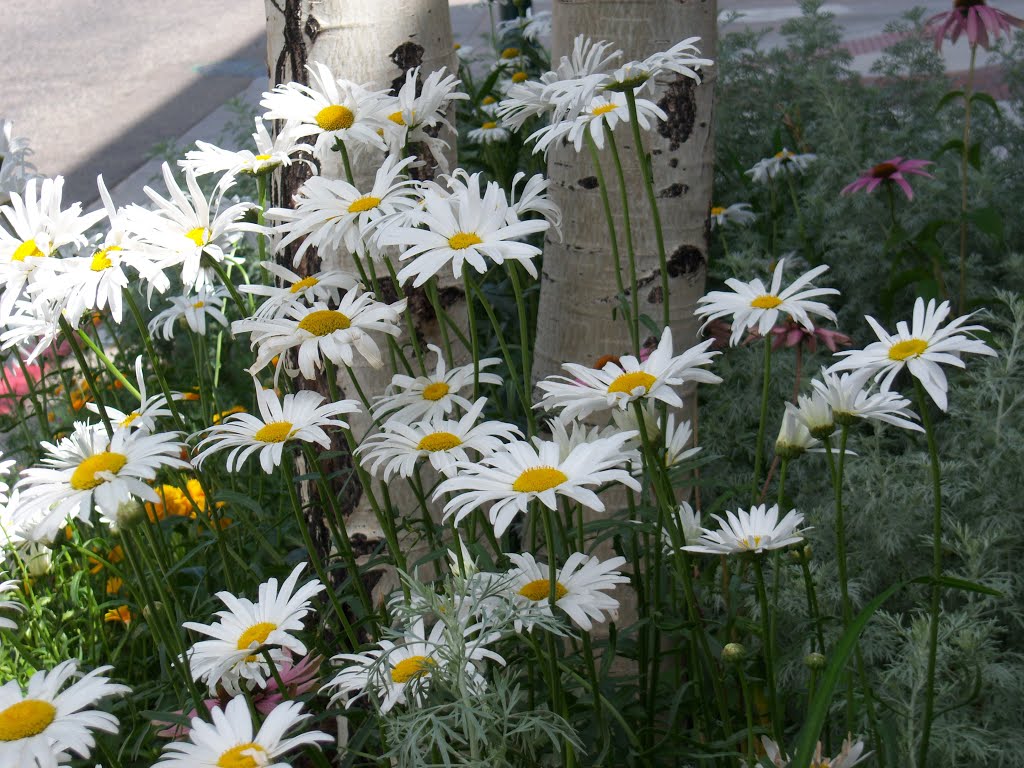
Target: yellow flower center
x=439, y=441
x=258, y=634
x=101, y=259
x=324, y=322
x=510, y=53
x=784, y=155
x=335, y=118
x=490, y=125
x=262, y=158
x=303, y=284
x=745, y=544
x=767, y=301
x=435, y=391
x=604, y=109
x=26, y=718
x=234, y=757
x=274, y=432
x=84, y=477
x=396, y=118
x=519, y=77
x=414, y=666
x=26, y=249
x=462, y=240
x=627, y=382
x=363, y=204
x=541, y=590
x=488, y=100
x=198, y=305
x=128, y=420
x=197, y=235
x=717, y=210
x=901, y=350
x=539, y=479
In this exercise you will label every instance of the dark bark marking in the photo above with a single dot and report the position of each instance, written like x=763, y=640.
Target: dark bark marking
x=312, y=29
x=685, y=260
x=680, y=106
x=674, y=190
x=588, y=182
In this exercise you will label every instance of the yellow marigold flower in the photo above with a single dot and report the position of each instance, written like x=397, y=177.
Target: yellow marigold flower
x=120, y=615
x=114, y=556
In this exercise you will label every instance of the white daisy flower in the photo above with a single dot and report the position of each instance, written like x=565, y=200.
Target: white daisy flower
x=513, y=477
x=206, y=302
x=580, y=587
x=398, y=673
x=737, y=213
x=418, y=110
x=245, y=628
x=851, y=402
x=425, y=398
x=783, y=161
x=33, y=326
x=760, y=530
x=489, y=132
x=794, y=437
x=181, y=231
x=609, y=109
x=814, y=412
x=751, y=305
x=326, y=286
x=850, y=755
x=532, y=199
x=331, y=109
x=88, y=468
x=463, y=227
x=321, y=332
x=400, y=446
x=40, y=725
x=150, y=409
x=581, y=433
x=618, y=384
x=922, y=348
x=300, y=416
x=9, y=605
x=270, y=153
x=229, y=740
x=330, y=214
x=688, y=523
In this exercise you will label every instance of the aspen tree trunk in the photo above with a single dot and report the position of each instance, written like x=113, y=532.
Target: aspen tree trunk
x=578, y=285
x=374, y=43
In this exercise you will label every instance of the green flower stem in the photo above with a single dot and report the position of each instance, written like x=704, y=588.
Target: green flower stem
x=98, y=351
x=964, y=159
x=748, y=709
x=812, y=602
x=282, y=689
x=936, y=593
x=410, y=325
x=808, y=248
x=72, y=337
x=473, y=339
x=155, y=361
x=762, y=424
x=648, y=176
x=314, y=556
x=340, y=147
x=39, y=407
x=513, y=369
x=634, y=293
x=613, y=241
x=768, y=650
x=524, y=346
x=223, y=276
x=442, y=318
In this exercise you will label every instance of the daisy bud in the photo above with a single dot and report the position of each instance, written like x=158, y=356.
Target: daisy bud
x=815, y=661
x=128, y=514
x=733, y=653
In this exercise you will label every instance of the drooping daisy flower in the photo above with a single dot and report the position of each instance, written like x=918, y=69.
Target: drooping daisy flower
x=609, y=109
x=751, y=305
x=794, y=438
x=270, y=153
x=398, y=673
x=399, y=446
x=759, y=530
x=88, y=468
x=783, y=161
x=976, y=18
x=425, y=398
x=39, y=726
x=323, y=287
x=229, y=741
x=892, y=171
x=510, y=479
x=300, y=416
x=532, y=199
x=737, y=213
x=922, y=348
x=814, y=412
x=182, y=231
x=246, y=628
x=580, y=587
x=9, y=605
x=681, y=59
x=330, y=213
x=150, y=409
x=194, y=309
x=687, y=522
x=331, y=109
x=489, y=132
x=15, y=168
x=417, y=112
x=466, y=226
x=321, y=332
x=618, y=384
x=850, y=401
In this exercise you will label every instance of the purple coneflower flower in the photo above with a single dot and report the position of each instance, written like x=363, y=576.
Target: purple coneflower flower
x=892, y=170
x=976, y=19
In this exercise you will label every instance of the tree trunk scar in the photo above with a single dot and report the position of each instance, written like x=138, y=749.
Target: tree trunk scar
x=681, y=108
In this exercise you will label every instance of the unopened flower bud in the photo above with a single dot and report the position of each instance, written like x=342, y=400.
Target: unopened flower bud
x=733, y=652
x=149, y=610
x=815, y=661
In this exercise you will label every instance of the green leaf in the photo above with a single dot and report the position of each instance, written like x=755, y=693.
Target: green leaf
x=974, y=155
x=967, y=586
x=952, y=144
x=987, y=220
x=948, y=98
x=987, y=100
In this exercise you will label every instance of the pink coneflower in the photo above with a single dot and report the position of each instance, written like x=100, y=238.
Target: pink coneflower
x=790, y=334
x=892, y=170
x=976, y=19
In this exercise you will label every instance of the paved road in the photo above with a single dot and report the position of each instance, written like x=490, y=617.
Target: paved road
x=96, y=84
